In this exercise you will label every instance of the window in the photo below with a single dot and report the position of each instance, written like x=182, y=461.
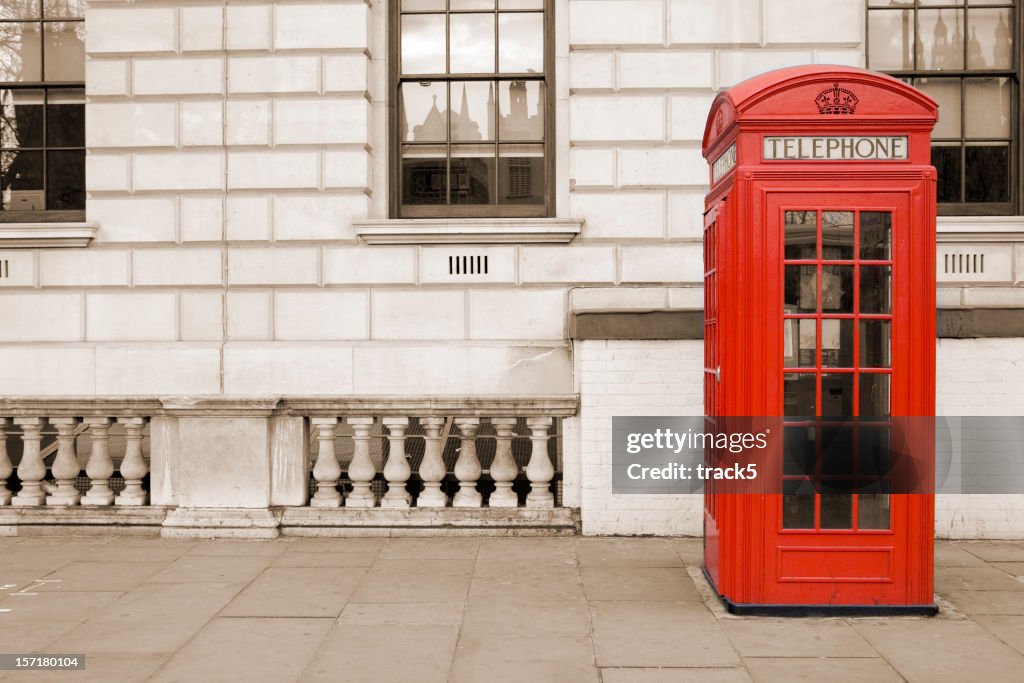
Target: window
x=963, y=53
x=472, y=126
x=42, y=110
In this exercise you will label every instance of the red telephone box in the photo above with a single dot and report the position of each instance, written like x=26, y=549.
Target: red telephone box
x=819, y=253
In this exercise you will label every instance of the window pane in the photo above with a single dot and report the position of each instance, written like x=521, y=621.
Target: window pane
x=424, y=117
x=875, y=235
x=837, y=289
x=19, y=52
x=801, y=234
x=65, y=180
x=988, y=173
x=798, y=451
x=521, y=105
x=946, y=160
x=521, y=43
x=940, y=41
x=21, y=118
x=801, y=343
x=472, y=178
x=424, y=174
x=875, y=295
x=472, y=48
x=65, y=50
x=946, y=92
x=837, y=235
x=521, y=4
x=873, y=456
x=836, y=450
x=988, y=107
x=800, y=395
x=837, y=510
x=471, y=4
x=472, y=110
x=890, y=35
x=423, y=43
x=63, y=9
x=990, y=40
x=874, y=343
x=21, y=181
x=874, y=395
x=522, y=174
x=797, y=505
x=27, y=9
x=837, y=343
x=801, y=289
x=421, y=5
x=873, y=509
x=65, y=118
x=837, y=395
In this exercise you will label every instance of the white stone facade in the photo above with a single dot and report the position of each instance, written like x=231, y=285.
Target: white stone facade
x=233, y=150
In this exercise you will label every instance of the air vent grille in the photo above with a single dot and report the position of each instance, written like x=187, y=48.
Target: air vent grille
x=467, y=265
x=958, y=263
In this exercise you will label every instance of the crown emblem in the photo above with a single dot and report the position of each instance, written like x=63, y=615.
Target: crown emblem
x=836, y=100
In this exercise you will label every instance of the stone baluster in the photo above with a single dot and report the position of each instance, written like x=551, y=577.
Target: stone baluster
x=6, y=466
x=396, y=470
x=503, y=468
x=133, y=467
x=327, y=470
x=361, y=470
x=65, y=467
x=100, y=466
x=432, y=469
x=467, y=467
x=539, y=470
x=31, y=469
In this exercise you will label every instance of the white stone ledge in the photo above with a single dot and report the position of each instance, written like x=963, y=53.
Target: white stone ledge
x=980, y=229
x=31, y=235
x=468, y=231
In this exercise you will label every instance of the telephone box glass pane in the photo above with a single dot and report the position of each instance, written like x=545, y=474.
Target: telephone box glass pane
x=875, y=336
x=873, y=458
x=801, y=235
x=801, y=289
x=837, y=235
x=875, y=235
x=873, y=510
x=946, y=160
x=937, y=50
x=836, y=343
x=798, y=451
x=837, y=510
x=875, y=294
x=797, y=505
x=837, y=289
x=988, y=172
x=837, y=450
x=801, y=343
x=837, y=395
x=799, y=395
x=874, y=395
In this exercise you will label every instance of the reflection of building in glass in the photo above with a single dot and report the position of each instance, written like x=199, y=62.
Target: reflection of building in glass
x=518, y=124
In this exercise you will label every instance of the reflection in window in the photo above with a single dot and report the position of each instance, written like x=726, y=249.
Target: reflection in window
x=472, y=108
x=42, y=107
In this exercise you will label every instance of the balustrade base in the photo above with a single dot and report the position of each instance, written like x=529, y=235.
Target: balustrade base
x=221, y=523
x=78, y=521
x=302, y=521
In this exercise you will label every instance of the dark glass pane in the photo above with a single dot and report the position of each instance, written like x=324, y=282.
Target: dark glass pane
x=21, y=181
x=837, y=289
x=875, y=342
x=65, y=180
x=64, y=45
x=521, y=110
x=837, y=510
x=946, y=160
x=423, y=43
x=424, y=174
x=63, y=9
x=990, y=39
x=988, y=173
x=798, y=451
x=891, y=33
x=873, y=457
x=837, y=450
x=472, y=177
x=875, y=289
x=20, y=55
x=940, y=39
x=801, y=289
x=799, y=395
x=423, y=116
x=521, y=174
x=472, y=110
x=65, y=118
x=946, y=93
x=801, y=344
x=521, y=43
x=837, y=343
x=837, y=235
x=801, y=234
x=472, y=43
x=874, y=395
x=873, y=509
x=875, y=235
x=797, y=505
x=21, y=118
x=837, y=395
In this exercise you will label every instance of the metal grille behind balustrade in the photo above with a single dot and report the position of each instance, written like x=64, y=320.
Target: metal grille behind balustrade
x=415, y=447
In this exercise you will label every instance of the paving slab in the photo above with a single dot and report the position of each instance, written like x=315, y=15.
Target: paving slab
x=1012, y=568
x=430, y=549
x=410, y=587
x=638, y=583
x=954, y=555
x=241, y=547
x=690, y=550
x=214, y=568
x=536, y=551
x=498, y=659
x=361, y=653
x=336, y=545
x=974, y=603
x=1007, y=628
x=988, y=578
x=17, y=635
x=627, y=552
x=814, y=669
x=674, y=675
x=766, y=637
x=995, y=551
x=295, y=558
x=557, y=584
x=296, y=592
x=100, y=576
x=409, y=614
x=497, y=617
x=56, y=605
x=98, y=669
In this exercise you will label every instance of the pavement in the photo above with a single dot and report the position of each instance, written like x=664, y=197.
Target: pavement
x=617, y=610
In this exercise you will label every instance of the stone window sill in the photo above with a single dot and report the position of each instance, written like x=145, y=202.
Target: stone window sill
x=980, y=228
x=468, y=230
x=31, y=235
